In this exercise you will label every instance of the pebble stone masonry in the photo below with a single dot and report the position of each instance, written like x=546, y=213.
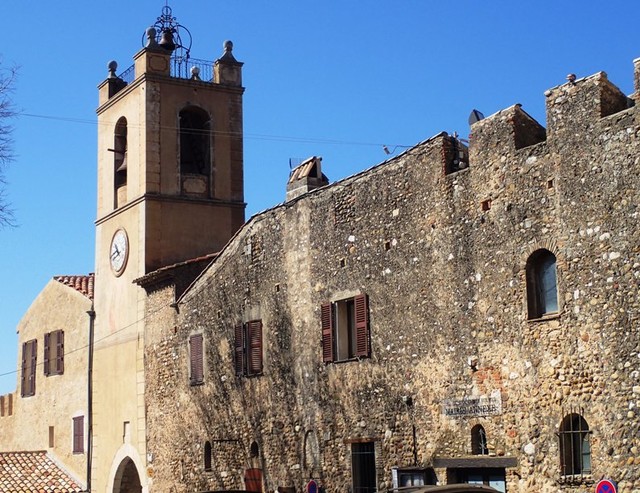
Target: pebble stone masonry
x=442, y=258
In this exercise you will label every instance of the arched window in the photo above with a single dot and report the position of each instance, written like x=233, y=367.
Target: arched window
x=254, y=451
x=479, y=441
x=195, y=142
x=120, y=163
x=575, y=450
x=207, y=456
x=542, y=287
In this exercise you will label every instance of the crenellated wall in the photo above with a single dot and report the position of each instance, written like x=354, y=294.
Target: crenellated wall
x=442, y=256
x=6, y=405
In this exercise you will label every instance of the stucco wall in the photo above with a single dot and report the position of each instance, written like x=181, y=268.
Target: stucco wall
x=57, y=398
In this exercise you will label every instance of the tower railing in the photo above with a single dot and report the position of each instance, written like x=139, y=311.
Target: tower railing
x=181, y=68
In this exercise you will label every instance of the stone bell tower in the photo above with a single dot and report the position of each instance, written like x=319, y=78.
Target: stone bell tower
x=170, y=188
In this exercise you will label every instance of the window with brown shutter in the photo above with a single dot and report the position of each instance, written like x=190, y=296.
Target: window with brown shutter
x=60, y=353
x=345, y=329
x=47, y=348
x=196, y=359
x=248, y=348
x=28, y=376
x=254, y=339
x=54, y=353
x=238, y=345
x=78, y=435
x=326, y=314
x=361, y=317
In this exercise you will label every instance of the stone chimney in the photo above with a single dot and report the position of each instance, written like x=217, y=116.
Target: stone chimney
x=306, y=177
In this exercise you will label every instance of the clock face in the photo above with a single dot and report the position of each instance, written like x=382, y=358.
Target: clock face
x=119, y=251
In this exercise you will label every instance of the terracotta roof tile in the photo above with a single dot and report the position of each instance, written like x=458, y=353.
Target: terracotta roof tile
x=34, y=472
x=159, y=273
x=305, y=168
x=82, y=284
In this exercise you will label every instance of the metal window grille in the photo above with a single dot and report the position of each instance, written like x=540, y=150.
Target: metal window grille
x=575, y=448
x=363, y=464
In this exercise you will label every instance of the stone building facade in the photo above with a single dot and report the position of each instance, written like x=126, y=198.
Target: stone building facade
x=453, y=314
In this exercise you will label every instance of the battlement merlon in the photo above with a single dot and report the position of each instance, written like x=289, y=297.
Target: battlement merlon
x=573, y=110
x=575, y=107
x=636, y=79
x=503, y=133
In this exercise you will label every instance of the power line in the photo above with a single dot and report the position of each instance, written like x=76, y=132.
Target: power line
x=267, y=137
x=80, y=348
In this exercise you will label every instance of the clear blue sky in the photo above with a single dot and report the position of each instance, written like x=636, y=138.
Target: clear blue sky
x=332, y=78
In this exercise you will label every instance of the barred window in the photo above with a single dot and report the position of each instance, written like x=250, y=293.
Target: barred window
x=479, y=441
x=575, y=450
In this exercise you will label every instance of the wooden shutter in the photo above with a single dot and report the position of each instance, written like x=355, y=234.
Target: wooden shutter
x=78, y=435
x=60, y=352
x=33, y=354
x=47, y=348
x=362, y=326
x=196, y=357
x=326, y=314
x=23, y=375
x=238, y=345
x=254, y=339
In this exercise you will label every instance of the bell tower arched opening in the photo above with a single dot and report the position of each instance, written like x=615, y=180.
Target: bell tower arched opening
x=120, y=163
x=195, y=151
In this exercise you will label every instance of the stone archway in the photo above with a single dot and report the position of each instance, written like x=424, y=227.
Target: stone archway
x=127, y=479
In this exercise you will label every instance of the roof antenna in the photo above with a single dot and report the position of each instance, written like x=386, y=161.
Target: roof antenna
x=475, y=117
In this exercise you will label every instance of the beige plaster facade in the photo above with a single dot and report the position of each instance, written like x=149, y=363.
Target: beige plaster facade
x=44, y=420
x=168, y=214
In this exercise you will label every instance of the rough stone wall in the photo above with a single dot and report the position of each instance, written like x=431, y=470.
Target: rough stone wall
x=442, y=259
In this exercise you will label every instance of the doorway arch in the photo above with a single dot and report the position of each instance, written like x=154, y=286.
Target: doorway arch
x=127, y=479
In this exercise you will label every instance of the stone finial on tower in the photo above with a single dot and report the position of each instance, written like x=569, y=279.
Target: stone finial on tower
x=112, y=66
x=113, y=84
x=226, y=69
x=151, y=43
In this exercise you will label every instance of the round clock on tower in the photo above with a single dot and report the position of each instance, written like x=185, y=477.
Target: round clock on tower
x=119, y=251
